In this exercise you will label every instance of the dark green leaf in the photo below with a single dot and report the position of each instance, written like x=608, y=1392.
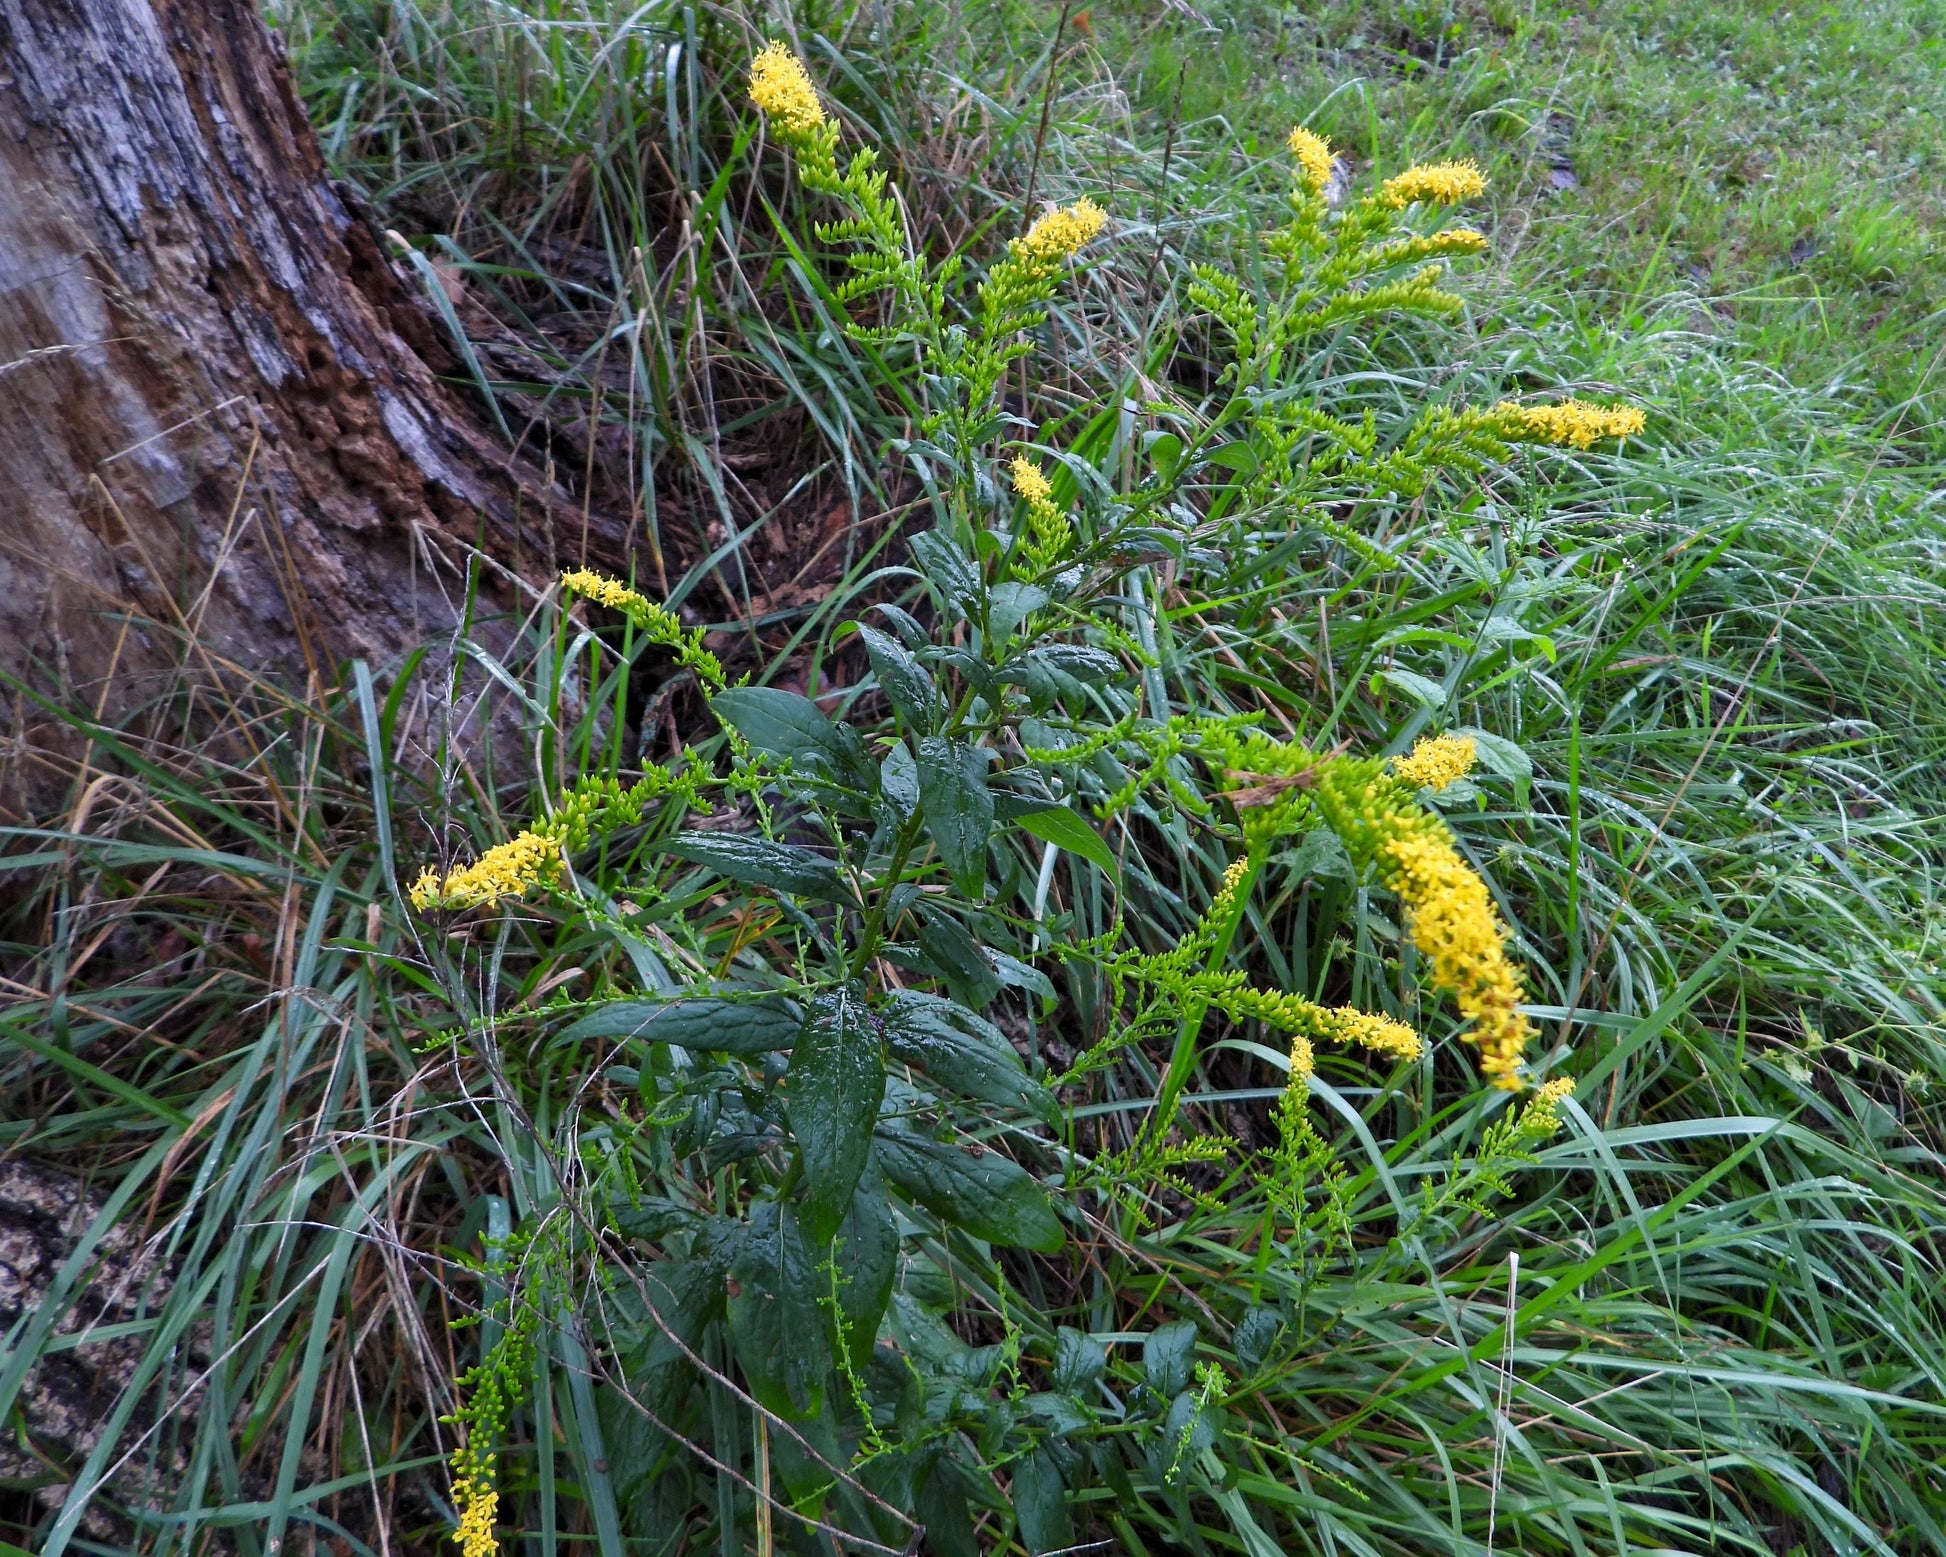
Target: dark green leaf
x=750, y=1028
x=952, y=954
x=781, y=724
x=939, y=1499
x=832, y=1092
x=961, y=1051
x=1079, y=1360
x=1238, y=456
x=1078, y=660
x=1256, y=1333
x=868, y=1256
x=977, y=1189
x=1041, y=1504
x=1167, y=1352
x=758, y=862
x=898, y=779
x=1069, y=830
x=777, y=1328
x=959, y=808
x=906, y=626
x=903, y=679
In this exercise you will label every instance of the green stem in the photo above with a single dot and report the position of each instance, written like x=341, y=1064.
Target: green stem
x=1184, y=1057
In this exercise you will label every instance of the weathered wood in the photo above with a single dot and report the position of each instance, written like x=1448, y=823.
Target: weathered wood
x=220, y=410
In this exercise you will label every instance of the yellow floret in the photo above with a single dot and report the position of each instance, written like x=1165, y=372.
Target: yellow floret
x=781, y=87
x=1461, y=240
x=1061, y=232
x=1438, y=183
x=477, y=1506
x=1436, y=761
x=1453, y=923
x=1579, y=423
x=1029, y=482
x=1303, y=1062
x=1313, y=153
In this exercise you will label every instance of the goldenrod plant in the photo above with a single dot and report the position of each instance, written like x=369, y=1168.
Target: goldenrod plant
x=875, y=1099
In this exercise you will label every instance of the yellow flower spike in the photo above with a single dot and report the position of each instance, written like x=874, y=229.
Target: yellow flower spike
x=1438, y=183
x=1313, y=153
x=1461, y=240
x=1380, y=1034
x=1453, y=923
x=1578, y=423
x=781, y=87
x=1303, y=1063
x=1029, y=482
x=1062, y=232
x=605, y=591
x=1436, y=761
x=508, y=869
x=478, y=1504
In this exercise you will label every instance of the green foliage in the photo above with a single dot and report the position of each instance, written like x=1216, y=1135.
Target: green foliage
x=1703, y=683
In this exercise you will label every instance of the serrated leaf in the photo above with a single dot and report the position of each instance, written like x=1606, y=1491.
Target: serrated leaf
x=981, y=1191
x=832, y=1093
x=961, y=1051
x=747, y=1028
x=959, y=808
x=903, y=679
x=758, y=862
x=777, y=1330
x=1068, y=830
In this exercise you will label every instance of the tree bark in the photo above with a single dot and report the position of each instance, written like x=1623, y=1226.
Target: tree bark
x=221, y=416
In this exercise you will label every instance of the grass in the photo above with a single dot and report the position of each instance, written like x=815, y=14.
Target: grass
x=1715, y=659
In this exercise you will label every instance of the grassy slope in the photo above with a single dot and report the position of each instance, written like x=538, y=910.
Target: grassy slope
x=1734, y=726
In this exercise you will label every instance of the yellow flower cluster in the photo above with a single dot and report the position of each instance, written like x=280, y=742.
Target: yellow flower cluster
x=1576, y=422
x=1453, y=923
x=1313, y=153
x=1061, y=232
x=1028, y=480
x=781, y=87
x=506, y=870
x=605, y=591
x=1438, y=183
x=1303, y=1060
x=1048, y=530
x=1461, y=240
x=1436, y=761
x=478, y=1503
x=1380, y=1034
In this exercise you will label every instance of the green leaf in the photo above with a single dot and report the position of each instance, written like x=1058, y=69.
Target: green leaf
x=748, y=1028
x=1041, y=1504
x=959, y=808
x=1079, y=1360
x=1238, y=456
x=898, y=779
x=1068, y=830
x=1167, y=1352
x=1502, y=757
x=903, y=680
x=778, y=723
x=961, y=1051
x=952, y=954
x=868, y=1255
x=758, y=862
x=777, y=1329
x=1011, y=604
x=948, y=569
x=832, y=1092
x=1165, y=452
x=1427, y=693
x=972, y=1187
